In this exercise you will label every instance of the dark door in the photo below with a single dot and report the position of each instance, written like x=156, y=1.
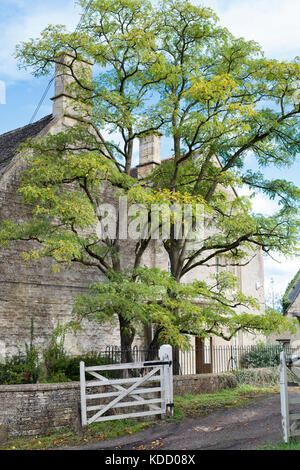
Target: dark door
x=203, y=357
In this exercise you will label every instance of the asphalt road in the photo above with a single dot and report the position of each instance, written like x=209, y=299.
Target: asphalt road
x=242, y=428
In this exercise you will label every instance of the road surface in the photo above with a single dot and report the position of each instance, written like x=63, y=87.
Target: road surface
x=243, y=428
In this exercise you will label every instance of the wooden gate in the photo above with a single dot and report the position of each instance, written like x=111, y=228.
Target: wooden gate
x=129, y=389
x=290, y=421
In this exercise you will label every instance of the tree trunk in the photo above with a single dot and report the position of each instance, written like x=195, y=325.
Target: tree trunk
x=127, y=333
x=153, y=347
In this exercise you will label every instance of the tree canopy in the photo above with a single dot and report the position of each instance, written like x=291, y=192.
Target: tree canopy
x=168, y=69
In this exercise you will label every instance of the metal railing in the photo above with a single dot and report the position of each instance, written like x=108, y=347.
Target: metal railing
x=207, y=359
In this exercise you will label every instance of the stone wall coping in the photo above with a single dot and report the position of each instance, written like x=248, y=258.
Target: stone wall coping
x=177, y=378
x=39, y=387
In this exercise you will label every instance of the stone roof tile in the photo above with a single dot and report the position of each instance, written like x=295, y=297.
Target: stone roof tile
x=10, y=141
x=295, y=291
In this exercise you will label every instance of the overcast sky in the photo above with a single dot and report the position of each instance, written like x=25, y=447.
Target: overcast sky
x=272, y=23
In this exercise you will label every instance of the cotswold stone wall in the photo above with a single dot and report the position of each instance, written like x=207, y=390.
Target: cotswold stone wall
x=202, y=383
x=35, y=410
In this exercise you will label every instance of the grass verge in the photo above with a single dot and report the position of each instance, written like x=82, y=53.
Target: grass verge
x=188, y=405
x=66, y=438
x=292, y=445
x=199, y=405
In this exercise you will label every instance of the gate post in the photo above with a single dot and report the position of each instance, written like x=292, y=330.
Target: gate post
x=284, y=398
x=165, y=354
x=82, y=395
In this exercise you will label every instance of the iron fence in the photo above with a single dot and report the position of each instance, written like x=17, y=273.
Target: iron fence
x=206, y=359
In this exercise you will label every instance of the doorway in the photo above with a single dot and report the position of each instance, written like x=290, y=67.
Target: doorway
x=203, y=356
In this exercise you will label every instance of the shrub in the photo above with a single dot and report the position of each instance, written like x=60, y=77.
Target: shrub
x=90, y=359
x=20, y=369
x=261, y=356
x=257, y=377
x=55, y=361
x=61, y=367
x=54, y=366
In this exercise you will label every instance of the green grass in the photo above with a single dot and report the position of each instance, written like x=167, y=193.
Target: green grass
x=292, y=445
x=197, y=405
x=187, y=405
x=94, y=432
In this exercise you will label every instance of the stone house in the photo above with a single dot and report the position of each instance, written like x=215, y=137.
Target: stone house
x=293, y=311
x=294, y=297
x=27, y=291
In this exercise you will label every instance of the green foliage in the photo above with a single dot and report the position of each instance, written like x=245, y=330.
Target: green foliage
x=293, y=444
x=93, y=433
x=55, y=360
x=169, y=68
x=55, y=365
x=22, y=368
x=262, y=356
x=92, y=358
x=150, y=295
x=258, y=376
x=194, y=405
x=62, y=367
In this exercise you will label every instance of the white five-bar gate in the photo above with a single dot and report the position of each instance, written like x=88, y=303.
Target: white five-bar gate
x=290, y=420
x=136, y=391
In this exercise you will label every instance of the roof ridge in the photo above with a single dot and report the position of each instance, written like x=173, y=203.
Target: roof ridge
x=10, y=141
x=295, y=289
x=26, y=125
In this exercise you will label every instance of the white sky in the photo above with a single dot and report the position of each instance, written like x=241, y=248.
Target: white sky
x=274, y=24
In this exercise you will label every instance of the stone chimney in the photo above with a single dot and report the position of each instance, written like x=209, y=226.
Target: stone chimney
x=149, y=157
x=64, y=103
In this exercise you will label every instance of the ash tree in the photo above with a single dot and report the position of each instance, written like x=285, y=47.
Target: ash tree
x=170, y=69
